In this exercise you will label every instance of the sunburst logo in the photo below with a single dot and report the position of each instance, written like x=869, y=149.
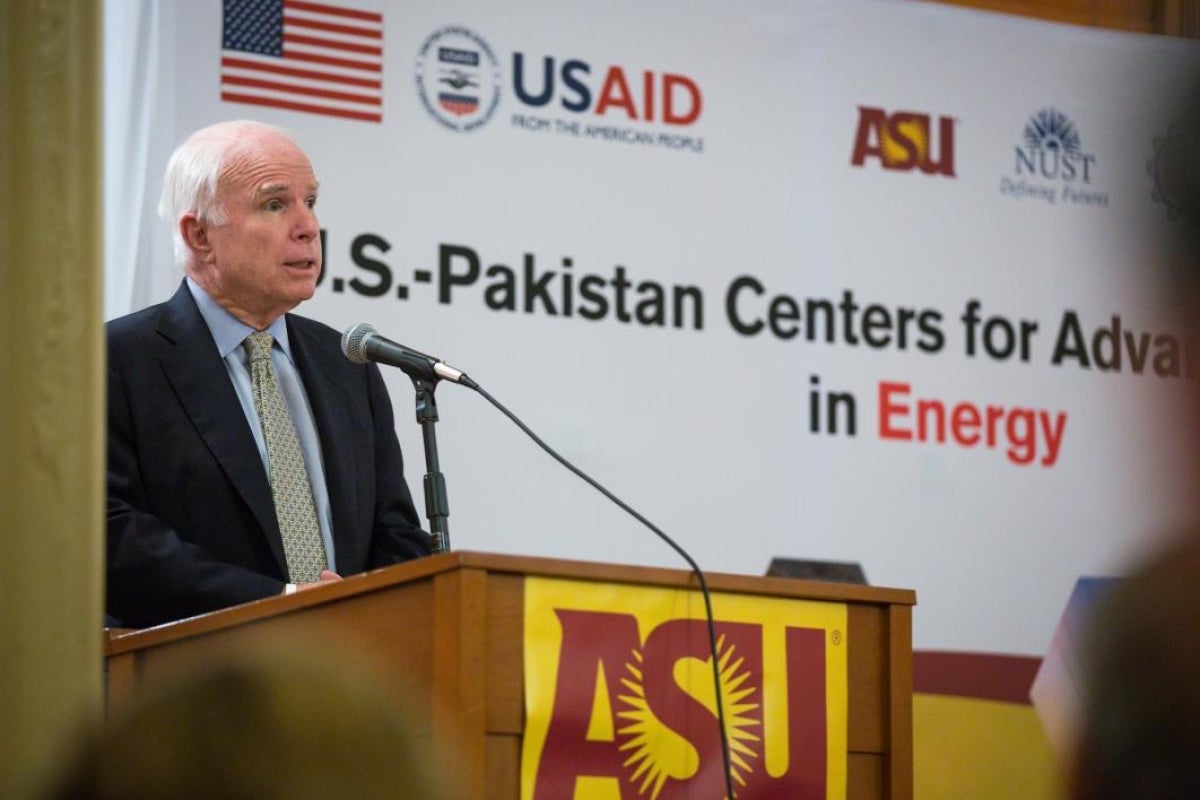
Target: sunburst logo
x=1050, y=163
x=656, y=753
x=623, y=703
x=1049, y=129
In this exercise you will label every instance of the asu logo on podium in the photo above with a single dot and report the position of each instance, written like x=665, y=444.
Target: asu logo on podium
x=620, y=698
x=904, y=141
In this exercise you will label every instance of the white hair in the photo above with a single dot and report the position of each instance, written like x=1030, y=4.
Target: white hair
x=194, y=170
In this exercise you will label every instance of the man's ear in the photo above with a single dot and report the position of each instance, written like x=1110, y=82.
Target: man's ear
x=195, y=234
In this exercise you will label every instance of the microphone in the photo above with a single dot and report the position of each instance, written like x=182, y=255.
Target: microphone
x=361, y=343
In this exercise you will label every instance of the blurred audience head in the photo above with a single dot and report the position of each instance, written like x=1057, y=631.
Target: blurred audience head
x=1141, y=710
x=254, y=726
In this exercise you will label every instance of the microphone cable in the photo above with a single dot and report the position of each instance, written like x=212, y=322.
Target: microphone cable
x=708, y=612
x=356, y=345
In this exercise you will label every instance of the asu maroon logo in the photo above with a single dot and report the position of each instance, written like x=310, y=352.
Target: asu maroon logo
x=632, y=712
x=904, y=141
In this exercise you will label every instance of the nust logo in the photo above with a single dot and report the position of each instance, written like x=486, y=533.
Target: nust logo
x=1052, y=150
x=1051, y=165
x=622, y=704
x=903, y=141
x=668, y=98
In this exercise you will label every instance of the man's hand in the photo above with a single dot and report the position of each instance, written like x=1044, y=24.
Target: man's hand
x=327, y=575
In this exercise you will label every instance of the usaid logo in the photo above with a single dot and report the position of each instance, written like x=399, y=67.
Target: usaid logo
x=572, y=85
x=458, y=78
x=459, y=81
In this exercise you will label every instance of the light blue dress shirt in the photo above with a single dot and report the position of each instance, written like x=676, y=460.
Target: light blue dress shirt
x=229, y=333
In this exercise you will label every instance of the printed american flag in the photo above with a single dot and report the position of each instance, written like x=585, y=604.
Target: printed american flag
x=303, y=56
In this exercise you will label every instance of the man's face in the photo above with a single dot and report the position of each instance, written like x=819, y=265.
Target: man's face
x=265, y=259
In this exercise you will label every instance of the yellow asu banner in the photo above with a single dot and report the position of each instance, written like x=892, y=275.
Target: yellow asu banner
x=620, y=700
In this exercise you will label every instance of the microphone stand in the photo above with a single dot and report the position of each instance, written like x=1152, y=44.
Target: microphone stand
x=437, y=506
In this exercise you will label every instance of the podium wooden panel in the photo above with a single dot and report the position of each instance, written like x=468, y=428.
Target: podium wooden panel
x=446, y=632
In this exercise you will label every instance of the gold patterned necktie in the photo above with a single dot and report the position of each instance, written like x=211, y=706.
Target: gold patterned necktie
x=290, y=488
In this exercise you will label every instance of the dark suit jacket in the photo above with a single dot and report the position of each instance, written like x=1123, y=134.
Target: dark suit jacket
x=191, y=523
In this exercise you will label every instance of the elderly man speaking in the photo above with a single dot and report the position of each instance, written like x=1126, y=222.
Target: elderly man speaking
x=247, y=457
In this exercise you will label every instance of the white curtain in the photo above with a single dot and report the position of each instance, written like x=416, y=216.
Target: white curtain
x=137, y=95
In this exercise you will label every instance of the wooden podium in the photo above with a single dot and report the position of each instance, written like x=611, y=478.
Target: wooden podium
x=449, y=630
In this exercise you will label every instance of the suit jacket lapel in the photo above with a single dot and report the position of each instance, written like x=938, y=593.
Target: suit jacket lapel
x=330, y=408
x=201, y=381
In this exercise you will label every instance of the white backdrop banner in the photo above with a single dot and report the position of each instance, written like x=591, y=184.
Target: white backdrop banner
x=851, y=281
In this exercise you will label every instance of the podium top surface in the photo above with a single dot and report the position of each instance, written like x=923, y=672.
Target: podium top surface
x=120, y=641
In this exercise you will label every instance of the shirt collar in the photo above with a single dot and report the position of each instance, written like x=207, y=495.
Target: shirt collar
x=227, y=330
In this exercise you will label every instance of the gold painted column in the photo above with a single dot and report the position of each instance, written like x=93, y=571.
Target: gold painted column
x=51, y=382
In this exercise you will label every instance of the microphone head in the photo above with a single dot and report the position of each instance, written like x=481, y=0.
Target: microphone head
x=352, y=342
